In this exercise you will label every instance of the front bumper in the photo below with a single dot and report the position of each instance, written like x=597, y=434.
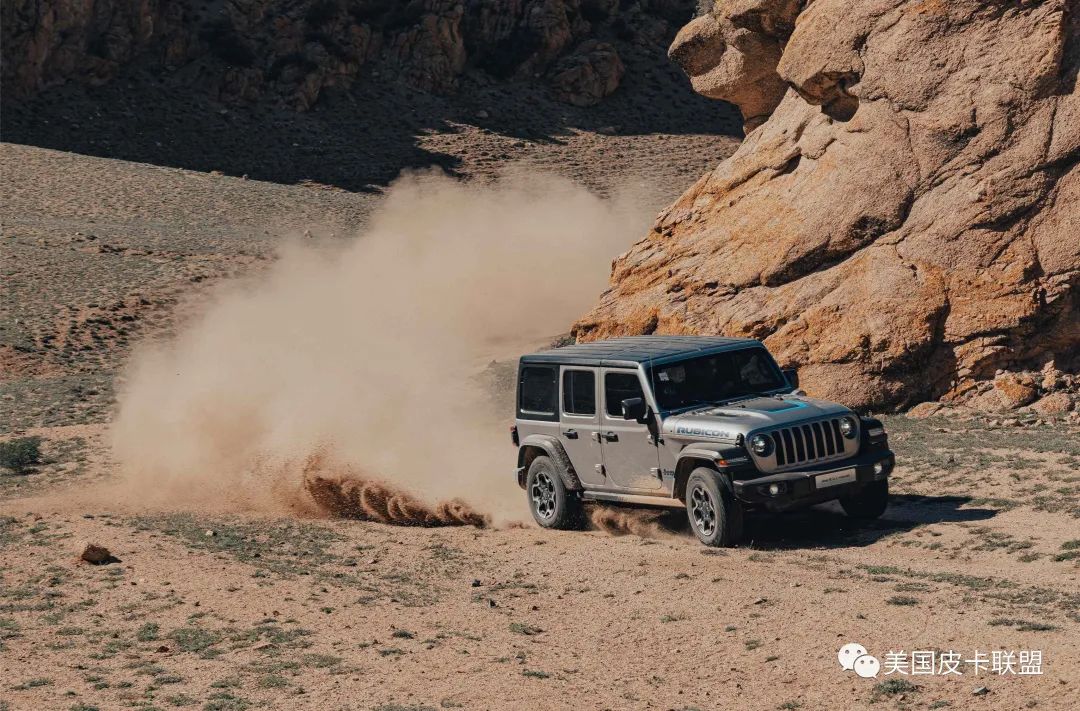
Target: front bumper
x=814, y=485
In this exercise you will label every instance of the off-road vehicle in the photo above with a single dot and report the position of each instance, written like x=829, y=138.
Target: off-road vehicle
x=706, y=423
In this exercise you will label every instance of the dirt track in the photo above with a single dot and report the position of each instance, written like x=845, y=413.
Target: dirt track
x=978, y=551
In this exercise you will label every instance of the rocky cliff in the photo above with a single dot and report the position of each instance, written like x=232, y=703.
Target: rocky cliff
x=902, y=221
x=248, y=49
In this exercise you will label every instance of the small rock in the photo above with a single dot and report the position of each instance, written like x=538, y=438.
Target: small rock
x=980, y=691
x=924, y=410
x=210, y=533
x=761, y=601
x=1053, y=404
x=1015, y=390
x=162, y=649
x=476, y=583
x=95, y=554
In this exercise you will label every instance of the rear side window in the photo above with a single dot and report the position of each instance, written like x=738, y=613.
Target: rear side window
x=579, y=392
x=619, y=387
x=538, y=393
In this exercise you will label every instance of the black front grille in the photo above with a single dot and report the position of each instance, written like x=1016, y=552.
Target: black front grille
x=807, y=443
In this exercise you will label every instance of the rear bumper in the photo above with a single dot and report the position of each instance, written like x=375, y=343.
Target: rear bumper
x=815, y=485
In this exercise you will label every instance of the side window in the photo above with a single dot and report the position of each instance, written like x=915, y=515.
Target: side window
x=579, y=392
x=619, y=387
x=538, y=392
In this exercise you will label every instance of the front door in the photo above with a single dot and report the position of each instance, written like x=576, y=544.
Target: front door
x=631, y=458
x=579, y=424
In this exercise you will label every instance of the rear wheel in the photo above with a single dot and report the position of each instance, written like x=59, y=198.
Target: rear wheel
x=715, y=515
x=870, y=501
x=552, y=505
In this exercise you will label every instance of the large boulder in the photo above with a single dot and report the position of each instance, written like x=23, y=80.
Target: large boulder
x=904, y=224
x=585, y=77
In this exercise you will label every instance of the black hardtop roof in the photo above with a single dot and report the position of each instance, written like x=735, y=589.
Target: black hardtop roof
x=634, y=350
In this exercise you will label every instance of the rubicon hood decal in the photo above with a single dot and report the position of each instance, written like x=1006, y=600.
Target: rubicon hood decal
x=728, y=422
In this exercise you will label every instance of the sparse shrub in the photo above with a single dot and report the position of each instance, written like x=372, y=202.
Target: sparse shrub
x=321, y=661
x=20, y=454
x=33, y=684
x=194, y=639
x=893, y=687
x=536, y=674
x=903, y=600
x=148, y=632
x=224, y=701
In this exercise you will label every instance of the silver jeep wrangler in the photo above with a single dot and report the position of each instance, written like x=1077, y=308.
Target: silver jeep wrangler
x=709, y=424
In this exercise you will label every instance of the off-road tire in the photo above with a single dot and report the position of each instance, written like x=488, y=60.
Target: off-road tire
x=715, y=516
x=552, y=506
x=869, y=503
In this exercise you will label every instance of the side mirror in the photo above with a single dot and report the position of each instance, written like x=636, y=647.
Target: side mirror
x=792, y=377
x=633, y=409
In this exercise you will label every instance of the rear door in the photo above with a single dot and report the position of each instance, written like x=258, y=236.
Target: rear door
x=579, y=423
x=631, y=458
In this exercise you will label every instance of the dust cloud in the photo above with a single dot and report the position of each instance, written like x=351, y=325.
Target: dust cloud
x=646, y=523
x=354, y=373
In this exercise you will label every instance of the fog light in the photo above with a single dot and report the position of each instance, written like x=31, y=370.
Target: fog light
x=879, y=468
x=775, y=489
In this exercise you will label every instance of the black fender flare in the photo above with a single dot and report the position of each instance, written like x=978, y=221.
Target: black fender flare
x=703, y=454
x=553, y=448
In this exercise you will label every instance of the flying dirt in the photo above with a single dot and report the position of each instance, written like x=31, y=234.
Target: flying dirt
x=367, y=358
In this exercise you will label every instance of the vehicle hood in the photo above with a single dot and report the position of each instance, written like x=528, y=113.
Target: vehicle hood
x=724, y=423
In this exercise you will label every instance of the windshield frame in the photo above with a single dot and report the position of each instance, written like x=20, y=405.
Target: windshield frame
x=651, y=368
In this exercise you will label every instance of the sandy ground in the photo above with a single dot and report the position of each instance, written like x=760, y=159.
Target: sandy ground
x=978, y=552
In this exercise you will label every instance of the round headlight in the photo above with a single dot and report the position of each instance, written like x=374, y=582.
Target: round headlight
x=847, y=427
x=760, y=444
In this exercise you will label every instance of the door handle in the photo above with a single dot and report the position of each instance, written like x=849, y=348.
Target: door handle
x=570, y=434
x=611, y=437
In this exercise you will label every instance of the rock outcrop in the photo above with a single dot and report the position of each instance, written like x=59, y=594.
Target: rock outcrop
x=905, y=223
x=248, y=49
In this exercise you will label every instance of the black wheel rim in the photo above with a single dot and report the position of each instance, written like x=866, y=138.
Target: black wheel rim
x=703, y=511
x=543, y=495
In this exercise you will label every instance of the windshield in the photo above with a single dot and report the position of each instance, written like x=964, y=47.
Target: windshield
x=714, y=378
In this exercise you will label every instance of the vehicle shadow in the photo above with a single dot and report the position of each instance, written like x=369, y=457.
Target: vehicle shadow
x=826, y=526
x=822, y=526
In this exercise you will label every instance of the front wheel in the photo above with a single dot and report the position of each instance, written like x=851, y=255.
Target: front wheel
x=552, y=506
x=715, y=515
x=869, y=502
